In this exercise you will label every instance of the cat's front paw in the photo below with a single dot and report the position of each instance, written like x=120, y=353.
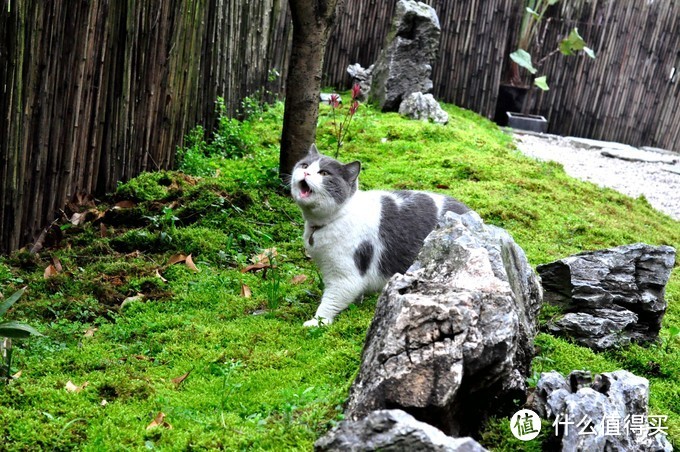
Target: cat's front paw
x=317, y=322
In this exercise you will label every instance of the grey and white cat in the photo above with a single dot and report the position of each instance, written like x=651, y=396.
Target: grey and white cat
x=359, y=239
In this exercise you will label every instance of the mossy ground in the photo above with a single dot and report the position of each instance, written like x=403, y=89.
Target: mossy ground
x=256, y=378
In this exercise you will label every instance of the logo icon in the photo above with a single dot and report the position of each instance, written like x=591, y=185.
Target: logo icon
x=525, y=425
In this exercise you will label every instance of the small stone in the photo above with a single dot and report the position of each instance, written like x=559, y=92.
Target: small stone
x=392, y=430
x=424, y=107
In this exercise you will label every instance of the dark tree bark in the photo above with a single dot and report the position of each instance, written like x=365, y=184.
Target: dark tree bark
x=312, y=21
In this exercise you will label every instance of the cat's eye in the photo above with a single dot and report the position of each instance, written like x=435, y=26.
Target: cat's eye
x=303, y=165
x=324, y=173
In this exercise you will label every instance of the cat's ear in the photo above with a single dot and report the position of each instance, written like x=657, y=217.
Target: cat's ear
x=352, y=171
x=313, y=151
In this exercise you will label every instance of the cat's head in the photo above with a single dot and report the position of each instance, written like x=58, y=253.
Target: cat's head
x=320, y=184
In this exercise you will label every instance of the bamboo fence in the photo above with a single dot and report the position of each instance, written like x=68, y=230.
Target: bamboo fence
x=626, y=94
x=96, y=92
x=93, y=92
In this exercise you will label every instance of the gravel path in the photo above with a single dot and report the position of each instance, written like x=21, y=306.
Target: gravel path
x=658, y=179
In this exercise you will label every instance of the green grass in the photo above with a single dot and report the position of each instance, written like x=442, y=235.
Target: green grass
x=258, y=379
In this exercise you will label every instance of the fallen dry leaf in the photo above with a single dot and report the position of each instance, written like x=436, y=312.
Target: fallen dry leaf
x=178, y=381
x=158, y=275
x=124, y=205
x=265, y=256
x=83, y=199
x=102, y=230
x=299, y=279
x=255, y=267
x=77, y=218
x=245, y=291
x=71, y=387
x=144, y=358
x=190, y=263
x=17, y=375
x=57, y=264
x=128, y=300
x=262, y=260
x=176, y=259
x=158, y=422
x=90, y=332
x=50, y=271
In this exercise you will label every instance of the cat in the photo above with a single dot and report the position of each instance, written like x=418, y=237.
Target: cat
x=359, y=239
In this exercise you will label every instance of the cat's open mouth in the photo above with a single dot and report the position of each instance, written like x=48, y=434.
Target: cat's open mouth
x=305, y=189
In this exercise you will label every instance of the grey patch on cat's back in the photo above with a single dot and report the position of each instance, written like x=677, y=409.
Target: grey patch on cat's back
x=363, y=256
x=403, y=229
x=455, y=206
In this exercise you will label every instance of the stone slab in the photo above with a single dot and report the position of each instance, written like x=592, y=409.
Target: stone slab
x=638, y=155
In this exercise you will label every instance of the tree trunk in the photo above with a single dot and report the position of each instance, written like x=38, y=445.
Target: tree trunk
x=312, y=21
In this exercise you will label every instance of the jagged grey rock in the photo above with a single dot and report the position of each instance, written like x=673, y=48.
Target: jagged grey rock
x=588, y=413
x=598, y=330
x=404, y=66
x=423, y=106
x=610, y=296
x=452, y=339
x=392, y=430
x=363, y=77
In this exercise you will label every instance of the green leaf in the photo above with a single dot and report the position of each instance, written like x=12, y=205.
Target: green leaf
x=552, y=2
x=532, y=12
x=522, y=58
x=4, y=306
x=542, y=83
x=589, y=52
x=572, y=43
x=16, y=330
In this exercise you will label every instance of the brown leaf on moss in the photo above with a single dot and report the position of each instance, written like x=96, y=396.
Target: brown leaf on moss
x=102, y=230
x=127, y=204
x=128, y=300
x=255, y=267
x=179, y=380
x=176, y=259
x=77, y=218
x=245, y=291
x=50, y=271
x=299, y=279
x=265, y=256
x=71, y=387
x=190, y=263
x=90, y=332
x=159, y=421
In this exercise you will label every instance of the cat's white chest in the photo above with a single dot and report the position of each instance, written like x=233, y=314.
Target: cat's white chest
x=332, y=245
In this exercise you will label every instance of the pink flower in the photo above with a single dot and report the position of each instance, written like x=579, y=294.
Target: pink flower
x=356, y=91
x=334, y=100
x=355, y=106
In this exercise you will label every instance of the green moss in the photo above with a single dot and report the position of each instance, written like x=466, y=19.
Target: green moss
x=258, y=379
